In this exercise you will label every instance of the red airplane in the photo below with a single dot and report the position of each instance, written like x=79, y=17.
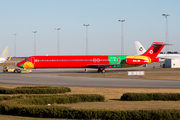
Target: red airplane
x=100, y=62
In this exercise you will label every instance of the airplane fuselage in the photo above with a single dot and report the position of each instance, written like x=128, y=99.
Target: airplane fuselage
x=2, y=60
x=94, y=61
x=84, y=61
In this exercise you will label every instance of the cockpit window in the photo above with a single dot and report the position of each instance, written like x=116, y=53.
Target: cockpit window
x=27, y=59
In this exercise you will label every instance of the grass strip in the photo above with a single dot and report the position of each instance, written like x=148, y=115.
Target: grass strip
x=35, y=90
x=64, y=112
x=150, y=96
x=60, y=99
x=9, y=97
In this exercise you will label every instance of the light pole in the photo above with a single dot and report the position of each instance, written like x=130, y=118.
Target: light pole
x=86, y=37
x=122, y=42
x=14, y=45
x=166, y=15
x=57, y=39
x=34, y=41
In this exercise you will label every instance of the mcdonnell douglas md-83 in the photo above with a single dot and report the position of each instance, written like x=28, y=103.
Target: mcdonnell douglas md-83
x=100, y=62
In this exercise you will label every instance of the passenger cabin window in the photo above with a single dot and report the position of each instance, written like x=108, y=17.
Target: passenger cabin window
x=27, y=59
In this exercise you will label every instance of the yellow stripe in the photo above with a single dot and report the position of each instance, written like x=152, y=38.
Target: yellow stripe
x=9, y=58
x=28, y=65
x=140, y=57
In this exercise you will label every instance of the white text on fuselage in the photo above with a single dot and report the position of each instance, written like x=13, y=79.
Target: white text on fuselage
x=136, y=61
x=140, y=61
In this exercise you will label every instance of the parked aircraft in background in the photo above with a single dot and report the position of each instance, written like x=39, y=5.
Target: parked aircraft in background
x=140, y=50
x=100, y=62
x=4, y=55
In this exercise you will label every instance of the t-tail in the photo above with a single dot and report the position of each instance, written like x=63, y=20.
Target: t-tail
x=154, y=50
x=148, y=57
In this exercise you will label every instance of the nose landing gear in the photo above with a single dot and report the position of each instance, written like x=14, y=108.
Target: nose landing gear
x=102, y=70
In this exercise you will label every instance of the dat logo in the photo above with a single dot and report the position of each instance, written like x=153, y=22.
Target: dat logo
x=96, y=60
x=136, y=60
x=151, y=51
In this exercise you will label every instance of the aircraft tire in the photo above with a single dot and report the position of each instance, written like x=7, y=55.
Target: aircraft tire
x=15, y=71
x=103, y=71
x=19, y=71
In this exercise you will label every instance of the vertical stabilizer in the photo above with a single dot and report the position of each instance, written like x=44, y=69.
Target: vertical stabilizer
x=139, y=48
x=154, y=50
x=5, y=53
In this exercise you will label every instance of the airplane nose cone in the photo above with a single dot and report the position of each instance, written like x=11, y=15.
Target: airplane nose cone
x=25, y=64
x=20, y=64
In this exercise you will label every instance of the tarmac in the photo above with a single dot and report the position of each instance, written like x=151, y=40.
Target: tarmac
x=47, y=77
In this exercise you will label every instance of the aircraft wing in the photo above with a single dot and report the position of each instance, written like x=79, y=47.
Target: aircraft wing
x=103, y=65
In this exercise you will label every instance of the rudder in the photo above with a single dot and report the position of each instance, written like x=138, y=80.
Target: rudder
x=154, y=50
x=5, y=53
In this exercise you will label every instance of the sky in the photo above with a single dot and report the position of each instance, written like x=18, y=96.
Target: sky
x=144, y=23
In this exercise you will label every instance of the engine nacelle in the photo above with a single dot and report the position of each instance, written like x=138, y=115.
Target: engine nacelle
x=140, y=60
x=132, y=61
x=154, y=59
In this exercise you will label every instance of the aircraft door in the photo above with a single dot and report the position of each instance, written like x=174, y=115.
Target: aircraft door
x=33, y=60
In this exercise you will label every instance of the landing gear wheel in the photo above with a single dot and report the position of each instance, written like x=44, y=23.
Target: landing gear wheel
x=19, y=71
x=99, y=70
x=15, y=71
x=103, y=71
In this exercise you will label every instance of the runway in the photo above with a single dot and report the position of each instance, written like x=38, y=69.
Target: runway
x=48, y=78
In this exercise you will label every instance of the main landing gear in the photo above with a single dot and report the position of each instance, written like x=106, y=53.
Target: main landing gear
x=102, y=70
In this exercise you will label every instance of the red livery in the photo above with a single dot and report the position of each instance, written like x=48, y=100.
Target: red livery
x=101, y=62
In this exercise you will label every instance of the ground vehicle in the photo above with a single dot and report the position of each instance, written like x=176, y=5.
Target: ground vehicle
x=6, y=69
